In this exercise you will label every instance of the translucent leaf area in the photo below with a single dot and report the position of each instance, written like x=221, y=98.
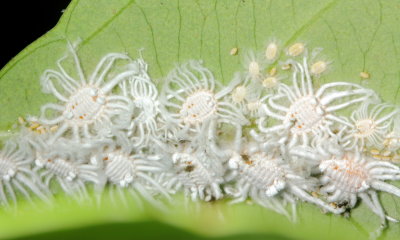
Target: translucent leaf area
x=357, y=36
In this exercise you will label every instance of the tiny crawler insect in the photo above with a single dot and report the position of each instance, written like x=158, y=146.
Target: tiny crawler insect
x=309, y=111
x=319, y=64
x=245, y=92
x=318, y=68
x=85, y=102
x=365, y=75
x=265, y=176
x=296, y=49
x=369, y=128
x=196, y=172
x=272, y=51
x=234, y=51
x=254, y=65
x=16, y=174
x=189, y=102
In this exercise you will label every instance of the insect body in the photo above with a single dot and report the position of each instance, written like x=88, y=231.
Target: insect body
x=272, y=51
x=246, y=93
x=265, y=178
x=134, y=173
x=354, y=176
x=144, y=119
x=254, y=66
x=85, y=102
x=16, y=175
x=192, y=107
x=369, y=128
x=318, y=68
x=70, y=169
x=296, y=49
x=304, y=112
x=71, y=175
x=196, y=172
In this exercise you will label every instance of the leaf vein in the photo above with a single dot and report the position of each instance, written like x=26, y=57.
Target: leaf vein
x=312, y=20
x=153, y=40
x=107, y=23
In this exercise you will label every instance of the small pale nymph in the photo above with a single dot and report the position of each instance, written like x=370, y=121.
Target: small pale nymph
x=254, y=66
x=319, y=64
x=272, y=51
x=365, y=75
x=234, y=51
x=245, y=93
x=271, y=82
x=318, y=67
x=296, y=49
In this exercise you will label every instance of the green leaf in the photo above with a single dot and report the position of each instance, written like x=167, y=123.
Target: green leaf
x=360, y=35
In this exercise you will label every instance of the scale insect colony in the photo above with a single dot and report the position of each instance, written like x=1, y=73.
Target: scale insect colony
x=114, y=128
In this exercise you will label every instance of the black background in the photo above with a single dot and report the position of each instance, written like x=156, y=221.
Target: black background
x=24, y=21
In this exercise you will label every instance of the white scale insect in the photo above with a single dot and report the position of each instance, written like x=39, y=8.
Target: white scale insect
x=132, y=172
x=192, y=106
x=144, y=119
x=308, y=112
x=369, y=128
x=67, y=168
x=16, y=175
x=195, y=171
x=266, y=178
x=349, y=175
x=86, y=102
x=353, y=175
